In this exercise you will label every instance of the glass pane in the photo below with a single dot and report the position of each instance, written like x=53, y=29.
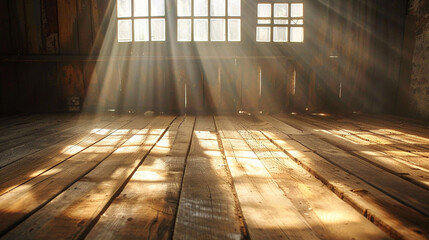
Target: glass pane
x=124, y=8
x=141, y=8
x=125, y=33
x=158, y=29
x=281, y=21
x=183, y=8
x=234, y=30
x=281, y=10
x=297, y=34
x=201, y=8
x=297, y=21
x=264, y=10
x=217, y=29
x=217, y=7
x=234, y=8
x=141, y=30
x=184, y=30
x=201, y=30
x=157, y=8
x=263, y=34
x=297, y=10
x=280, y=34
x=264, y=21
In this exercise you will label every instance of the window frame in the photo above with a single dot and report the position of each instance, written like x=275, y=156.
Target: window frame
x=272, y=19
x=149, y=17
x=209, y=17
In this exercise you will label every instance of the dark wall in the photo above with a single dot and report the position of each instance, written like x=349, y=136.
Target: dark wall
x=52, y=50
x=413, y=97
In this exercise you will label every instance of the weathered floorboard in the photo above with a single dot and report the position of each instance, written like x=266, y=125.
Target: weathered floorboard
x=206, y=208
x=71, y=212
x=146, y=208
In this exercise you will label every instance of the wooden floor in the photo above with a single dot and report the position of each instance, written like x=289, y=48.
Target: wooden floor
x=213, y=177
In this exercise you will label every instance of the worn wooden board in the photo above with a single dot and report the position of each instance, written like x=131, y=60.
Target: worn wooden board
x=267, y=212
x=5, y=32
x=33, y=25
x=146, y=207
x=49, y=14
x=84, y=22
x=398, y=220
x=375, y=149
x=68, y=27
x=206, y=209
x=40, y=190
x=74, y=210
x=327, y=214
x=41, y=161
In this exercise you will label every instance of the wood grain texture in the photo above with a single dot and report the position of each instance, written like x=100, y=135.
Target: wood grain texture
x=146, y=208
x=68, y=27
x=267, y=212
x=206, y=208
x=328, y=215
x=70, y=213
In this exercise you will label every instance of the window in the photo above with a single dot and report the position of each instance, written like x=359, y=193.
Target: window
x=204, y=20
x=137, y=23
x=280, y=22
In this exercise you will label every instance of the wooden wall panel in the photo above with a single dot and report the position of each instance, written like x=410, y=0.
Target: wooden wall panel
x=84, y=18
x=5, y=36
x=17, y=21
x=33, y=26
x=68, y=29
x=50, y=26
x=250, y=87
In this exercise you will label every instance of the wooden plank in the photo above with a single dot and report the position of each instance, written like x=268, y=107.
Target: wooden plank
x=358, y=143
x=31, y=166
x=328, y=215
x=206, y=209
x=67, y=26
x=407, y=193
x=19, y=35
x=267, y=212
x=33, y=131
x=152, y=194
x=73, y=211
x=392, y=216
x=5, y=32
x=42, y=189
x=33, y=25
x=50, y=26
x=84, y=20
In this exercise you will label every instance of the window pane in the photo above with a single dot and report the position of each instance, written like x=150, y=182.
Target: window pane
x=281, y=10
x=201, y=30
x=157, y=8
x=297, y=34
x=141, y=30
x=183, y=8
x=124, y=8
x=264, y=10
x=125, y=33
x=158, y=29
x=264, y=21
x=217, y=29
x=276, y=21
x=234, y=27
x=280, y=34
x=297, y=10
x=297, y=21
x=217, y=7
x=234, y=8
x=201, y=8
x=184, y=30
x=263, y=34
x=141, y=8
